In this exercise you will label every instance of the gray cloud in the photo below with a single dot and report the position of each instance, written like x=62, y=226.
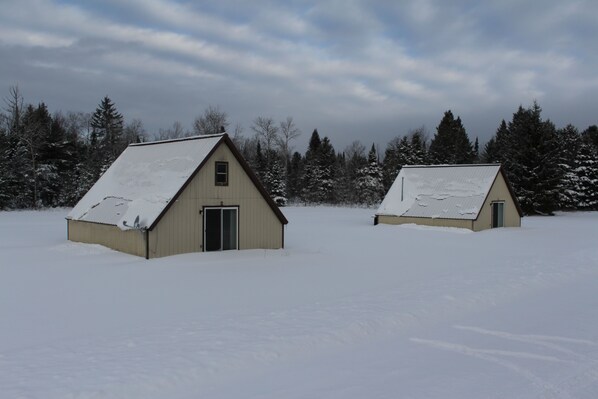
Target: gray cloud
x=353, y=69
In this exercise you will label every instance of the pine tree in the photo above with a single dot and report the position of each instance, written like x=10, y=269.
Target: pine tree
x=408, y=150
x=369, y=185
x=586, y=170
x=450, y=144
x=532, y=161
x=313, y=174
x=590, y=136
x=107, y=140
x=5, y=170
x=569, y=144
x=327, y=161
x=295, y=176
x=37, y=124
x=354, y=159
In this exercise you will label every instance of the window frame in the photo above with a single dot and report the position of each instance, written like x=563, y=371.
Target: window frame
x=219, y=174
x=500, y=216
x=221, y=209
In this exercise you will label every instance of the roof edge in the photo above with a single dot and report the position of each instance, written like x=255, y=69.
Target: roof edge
x=204, y=136
x=226, y=139
x=256, y=181
x=501, y=171
x=188, y=181
x=452, y=165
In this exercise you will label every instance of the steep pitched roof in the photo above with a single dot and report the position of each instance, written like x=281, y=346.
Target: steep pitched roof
x=148, y=177
x=440, y=191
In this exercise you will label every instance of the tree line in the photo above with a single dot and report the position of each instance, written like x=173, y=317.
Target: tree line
x=51, y=160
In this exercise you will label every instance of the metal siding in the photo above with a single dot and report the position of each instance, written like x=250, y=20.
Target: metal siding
x=459, y=223
x=129, y=241
x=180, y=230
x=498, y=192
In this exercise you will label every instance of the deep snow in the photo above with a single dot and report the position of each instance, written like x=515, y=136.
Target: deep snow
x=347, y=310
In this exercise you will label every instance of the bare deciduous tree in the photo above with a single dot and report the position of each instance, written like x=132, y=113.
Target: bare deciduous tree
x=211, y=122
x=266, y=131
x=14, y=109
x=174, y=132
x=135, y=132
x=288, y=133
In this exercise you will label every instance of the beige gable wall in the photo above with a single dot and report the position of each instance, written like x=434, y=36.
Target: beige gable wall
x=181, y=229
x=130, y=241
x=498, y=192
x=463, y=224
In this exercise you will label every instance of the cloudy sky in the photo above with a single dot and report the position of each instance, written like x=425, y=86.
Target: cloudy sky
x=367, y=70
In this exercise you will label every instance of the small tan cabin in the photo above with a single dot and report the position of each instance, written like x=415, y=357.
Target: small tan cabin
x=475, y=197
x=177, y=196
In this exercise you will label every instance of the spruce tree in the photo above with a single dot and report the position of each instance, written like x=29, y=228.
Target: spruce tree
x=107, y=140
x=450, y=144
x=354, y=160
x=295, y=176
x=586, y=171
x=369, y=185
x=313, y=174
x=590, y=136
x=532, y=161
x=569, y=145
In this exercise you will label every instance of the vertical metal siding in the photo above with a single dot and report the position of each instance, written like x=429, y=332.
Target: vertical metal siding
x=460, y=223
x=130, y=241
x=498, y=192
x=180, y=230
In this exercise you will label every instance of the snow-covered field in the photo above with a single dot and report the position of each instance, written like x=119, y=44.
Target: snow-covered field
x=347, y=310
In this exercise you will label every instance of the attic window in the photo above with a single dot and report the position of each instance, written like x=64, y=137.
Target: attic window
x=222, y=173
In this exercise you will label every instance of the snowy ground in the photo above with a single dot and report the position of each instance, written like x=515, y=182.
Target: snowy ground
x=347, y=310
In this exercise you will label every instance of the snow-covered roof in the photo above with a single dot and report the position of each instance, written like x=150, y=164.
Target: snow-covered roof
x=439, y=191
x=142, y=181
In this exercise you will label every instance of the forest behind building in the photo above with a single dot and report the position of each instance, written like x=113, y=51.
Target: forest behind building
x=52, y=159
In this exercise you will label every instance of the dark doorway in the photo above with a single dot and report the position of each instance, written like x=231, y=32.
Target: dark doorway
x=221, y=229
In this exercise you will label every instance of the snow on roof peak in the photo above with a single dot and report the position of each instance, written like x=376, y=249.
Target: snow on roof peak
x=439, y=191
x=142, y=181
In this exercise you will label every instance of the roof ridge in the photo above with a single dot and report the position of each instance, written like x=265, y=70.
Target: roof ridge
x=198, y=137
x=452, y=165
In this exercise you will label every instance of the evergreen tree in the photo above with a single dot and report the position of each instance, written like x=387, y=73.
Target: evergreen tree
x=590, y=136
x=327, y=162
x=586, y=171
x=369, y=186
x=395, y=157
x=532, y=161
x=313, y=174
x=5, y=169
x=295, y=176
x=489, y=155
x=569, y=144
x=450, y=144
x=354, y=160
x=408, y=150
x=497, y=148
x=107, y=140
x=37, y=124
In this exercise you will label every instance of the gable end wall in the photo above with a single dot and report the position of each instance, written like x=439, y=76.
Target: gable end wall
x=498, y=192
x=180, y=230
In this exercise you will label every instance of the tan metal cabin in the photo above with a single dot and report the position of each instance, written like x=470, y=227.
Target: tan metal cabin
x=216, y=202
x=475, y=197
